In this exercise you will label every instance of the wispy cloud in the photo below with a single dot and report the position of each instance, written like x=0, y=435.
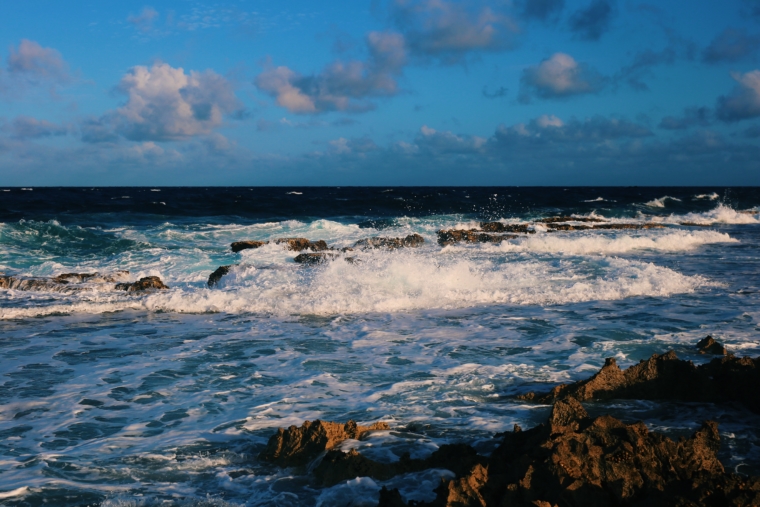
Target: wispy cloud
x=731, y=45
x=591, y=22
x=744, y=101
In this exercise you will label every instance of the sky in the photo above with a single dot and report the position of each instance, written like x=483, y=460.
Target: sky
x=380, y=92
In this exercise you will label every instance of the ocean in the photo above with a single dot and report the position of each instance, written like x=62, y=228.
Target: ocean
x=111, y=398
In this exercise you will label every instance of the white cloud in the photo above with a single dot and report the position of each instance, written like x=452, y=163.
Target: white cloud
x=341, y=86
x=559, y=76
x=36, y=62
x=165, y=103
x=744, y=101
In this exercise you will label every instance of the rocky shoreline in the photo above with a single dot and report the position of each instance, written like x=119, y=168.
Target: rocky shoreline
x=571, y=459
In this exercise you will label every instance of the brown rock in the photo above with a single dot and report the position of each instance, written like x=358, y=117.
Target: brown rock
x=245, y=245
x=143, y=284
x=301, y=244
x=34, y=284
x=315, y=258
x=451, y=236
x=665, y=377
x=411, y=241
x=91, y=277
x=693, y=224
x=500, y=227
x=708, y=345
x=217, y=275
x=299, y=445
x=552, y=220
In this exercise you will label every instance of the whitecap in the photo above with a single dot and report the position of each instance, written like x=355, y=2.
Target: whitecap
x=660, y=202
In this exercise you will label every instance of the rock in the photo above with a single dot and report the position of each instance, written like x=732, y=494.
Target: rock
x=629, y=226
x=245, y=245
x=143, y=284
x=500, y=227
x=552, y=220
x=299, y=445
x=665, y=377
x=568, y=227
x=693, y=224
x=411, y=241
x=391, y=498
x=315, y=258
x=451, y=236
x=217, y=275
x=301, y=244
x=92, y=277
x=708, y=345
x=35, y=284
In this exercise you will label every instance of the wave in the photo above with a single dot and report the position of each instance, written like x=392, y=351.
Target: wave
x=660, y=202
x=595, y=243
x=711, y=197
x=398, y=283
x=721, y=214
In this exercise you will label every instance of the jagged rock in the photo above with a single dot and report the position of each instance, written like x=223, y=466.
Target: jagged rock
x=552, y=220
x=568, y=227
x=35, y=284
x=245, y=245
x=411, y=241
x=665, y=377
x=92, y=277
x=693, y=224
x=299, y=445
x=143, y=284
x=301, y=244
x=217, y=275
x=578, y=461
x=500, y=227
x=314, y=258
x=451, y=236
x=708, y=345
x=338, y=466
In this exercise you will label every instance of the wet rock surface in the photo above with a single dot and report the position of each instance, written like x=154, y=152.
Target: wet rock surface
x=239, y=246
x=65, y=282
x=708, y=345
x=569, y=227
x=114, y=277
x=551, y=220
x=411, y=241
x=215, y=277
x=500, y=227
x=665, y=377
x=298, y=445
x=143, y=284
x=301, y=244
x=452, y=236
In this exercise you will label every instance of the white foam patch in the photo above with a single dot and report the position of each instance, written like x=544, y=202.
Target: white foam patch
x=710, y=197
x=399, y=282
x=722, y=214
x=594, y=243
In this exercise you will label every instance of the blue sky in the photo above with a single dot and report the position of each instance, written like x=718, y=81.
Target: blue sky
x=380, y=92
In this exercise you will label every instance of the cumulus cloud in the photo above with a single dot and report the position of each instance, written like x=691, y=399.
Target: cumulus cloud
x=144, y=21
x=559, y=76
x=450, y=30
x=551, y=129
x=730, y=46
x=165, y=103
x=34, y=62
x=591, y=22
x=341, y=86
x=541, y=10
x=358, y=145
x=744, y=101
x=25, y=127
x=431, y=140
x=691, y=117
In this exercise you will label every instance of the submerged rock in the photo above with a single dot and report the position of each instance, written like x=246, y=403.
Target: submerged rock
x=451, y=236
x=143, y=284
x=551, y=220
x=568, y=227
x=665, y=377
x=298, y=445
x=65, y=282
x=92, y=277
x=245, y=245
x=708, y=345
x=216, y=276
x=411, y=241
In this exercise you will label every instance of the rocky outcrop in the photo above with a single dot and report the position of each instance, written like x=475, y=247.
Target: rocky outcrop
x=665, y=377
x=629, y=226
x=552, y=220
x=708, y=345
x=294, y=244
x=574, y=460
x=114, y=277
x=216, y=276
x=299, y=445
x=569, y=227
x=301, y=244
x=245, y=245
x=314, y=258
x=143, y=284
x=65, y=282
x=411, y=241
x=452, y=236
x=500, y=227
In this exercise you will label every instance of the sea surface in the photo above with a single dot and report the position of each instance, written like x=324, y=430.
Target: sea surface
x=110, y=398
